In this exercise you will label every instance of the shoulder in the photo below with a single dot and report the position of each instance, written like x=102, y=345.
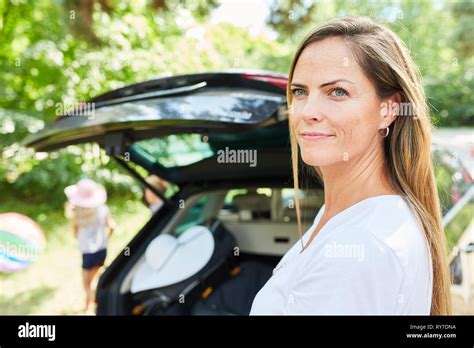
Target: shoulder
x=394, y=224
x=391, y=219
x=387, y=222
x=383, y=231
x=383, y=240
x=349, y=273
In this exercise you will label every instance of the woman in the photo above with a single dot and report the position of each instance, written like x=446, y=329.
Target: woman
x=377, y=245
x=91, y=219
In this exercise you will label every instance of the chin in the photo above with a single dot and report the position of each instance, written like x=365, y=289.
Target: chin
x=314, y=159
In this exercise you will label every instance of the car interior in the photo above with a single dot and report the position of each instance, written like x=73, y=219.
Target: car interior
x=252, y=228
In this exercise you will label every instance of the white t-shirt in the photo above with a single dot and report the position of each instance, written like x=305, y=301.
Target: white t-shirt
x=93, y=237
x=371, y=258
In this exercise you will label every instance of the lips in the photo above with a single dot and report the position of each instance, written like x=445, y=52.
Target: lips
x=315, y=136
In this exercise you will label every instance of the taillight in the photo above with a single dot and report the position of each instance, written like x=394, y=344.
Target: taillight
x=274, y=80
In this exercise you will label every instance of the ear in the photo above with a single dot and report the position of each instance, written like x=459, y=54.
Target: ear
x=390, y=110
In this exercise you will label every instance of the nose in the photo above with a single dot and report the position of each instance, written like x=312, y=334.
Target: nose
x=311, y=111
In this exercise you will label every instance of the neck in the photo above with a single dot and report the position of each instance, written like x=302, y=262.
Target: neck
x=358, y=178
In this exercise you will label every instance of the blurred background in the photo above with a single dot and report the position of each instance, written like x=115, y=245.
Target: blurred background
x=62, y=52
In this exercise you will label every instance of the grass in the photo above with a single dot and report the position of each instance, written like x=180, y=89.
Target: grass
x=53, y=284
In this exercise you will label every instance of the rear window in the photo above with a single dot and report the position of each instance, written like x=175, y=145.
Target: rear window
x=179, y=150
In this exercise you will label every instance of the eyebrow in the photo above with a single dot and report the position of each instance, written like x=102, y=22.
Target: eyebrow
x=295, y=84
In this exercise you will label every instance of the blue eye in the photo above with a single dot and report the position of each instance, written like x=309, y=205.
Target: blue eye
x=298, y=92
x=339, y=92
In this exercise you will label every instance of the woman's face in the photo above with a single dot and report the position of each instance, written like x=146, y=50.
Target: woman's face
x=336, y=113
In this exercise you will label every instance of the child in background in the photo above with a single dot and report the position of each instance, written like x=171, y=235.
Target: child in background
x=91, y=219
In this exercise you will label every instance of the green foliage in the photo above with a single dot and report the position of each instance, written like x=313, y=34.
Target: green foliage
x=40, y=177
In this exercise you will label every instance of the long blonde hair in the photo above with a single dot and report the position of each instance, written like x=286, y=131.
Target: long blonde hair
x=387, y=62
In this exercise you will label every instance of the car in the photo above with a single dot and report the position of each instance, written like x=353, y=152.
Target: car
x=221, y=139
x=456, y=192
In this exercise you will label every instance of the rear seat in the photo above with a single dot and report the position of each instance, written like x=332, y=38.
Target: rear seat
x=252, y=205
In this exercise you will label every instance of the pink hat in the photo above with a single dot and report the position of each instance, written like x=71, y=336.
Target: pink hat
x=86, y=194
